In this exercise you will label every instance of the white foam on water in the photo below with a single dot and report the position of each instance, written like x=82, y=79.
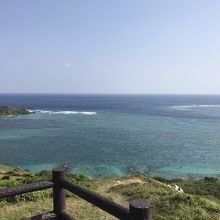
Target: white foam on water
x=185, y=107
x=62, y=112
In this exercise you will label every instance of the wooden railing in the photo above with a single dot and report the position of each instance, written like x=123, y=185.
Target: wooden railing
x=138, y=209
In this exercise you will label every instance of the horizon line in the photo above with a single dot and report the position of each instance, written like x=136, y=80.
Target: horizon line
x=62, y=93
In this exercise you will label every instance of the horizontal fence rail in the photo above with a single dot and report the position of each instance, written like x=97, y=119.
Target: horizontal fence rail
x=138, y=209
x=17, y=190
x=97, y=200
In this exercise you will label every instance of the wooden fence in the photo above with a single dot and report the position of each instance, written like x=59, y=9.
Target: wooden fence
x=138, y=209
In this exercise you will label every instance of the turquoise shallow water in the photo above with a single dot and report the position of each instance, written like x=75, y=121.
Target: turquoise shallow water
x=168, y=136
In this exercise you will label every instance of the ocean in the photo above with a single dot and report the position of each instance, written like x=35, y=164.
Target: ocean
x=172, y=136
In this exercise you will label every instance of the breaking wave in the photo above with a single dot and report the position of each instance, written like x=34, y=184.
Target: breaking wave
x=185, y=107
x=62, y=112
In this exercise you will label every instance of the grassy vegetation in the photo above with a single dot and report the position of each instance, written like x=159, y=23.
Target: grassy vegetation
x=169, y=204
x=7, y=111
x=208, y=187
x=200, y=199
x=16, y=177
x=7, y=172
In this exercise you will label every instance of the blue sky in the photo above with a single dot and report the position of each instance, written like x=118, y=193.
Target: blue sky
x=110, y=46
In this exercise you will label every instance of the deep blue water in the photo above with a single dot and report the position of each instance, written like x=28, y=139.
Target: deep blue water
x=103, y=135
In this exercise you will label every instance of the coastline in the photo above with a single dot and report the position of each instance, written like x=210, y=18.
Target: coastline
x=166, y=136
x=6, y=111
x=172, y=199
x=188, y=173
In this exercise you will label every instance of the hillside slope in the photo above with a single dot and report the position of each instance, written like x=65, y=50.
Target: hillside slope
x=166, y=202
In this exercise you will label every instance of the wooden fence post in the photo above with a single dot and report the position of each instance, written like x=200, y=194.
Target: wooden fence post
x=139, y=210
x=59, y=204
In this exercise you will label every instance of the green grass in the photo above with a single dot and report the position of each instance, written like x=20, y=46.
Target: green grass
x=199, y=201
x=208, y=186
x=10, y=173
x=17, y=179
x=167, y=204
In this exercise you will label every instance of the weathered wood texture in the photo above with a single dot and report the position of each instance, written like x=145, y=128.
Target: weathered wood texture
x=13, y=191
x=138, y=209
x=59, y=202
x=97, y=200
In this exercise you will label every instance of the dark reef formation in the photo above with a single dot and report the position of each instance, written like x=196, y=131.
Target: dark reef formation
x=9, y=111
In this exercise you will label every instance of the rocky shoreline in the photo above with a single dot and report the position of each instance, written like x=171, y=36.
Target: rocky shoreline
x=6, y=111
